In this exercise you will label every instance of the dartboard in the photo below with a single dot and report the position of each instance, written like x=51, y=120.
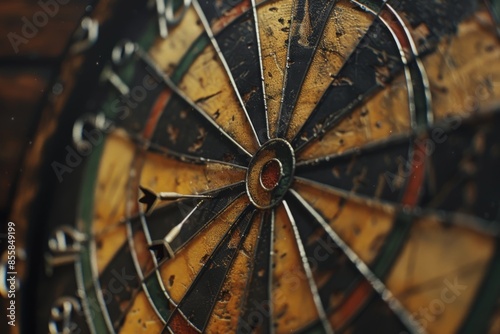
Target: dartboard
x=271, y=166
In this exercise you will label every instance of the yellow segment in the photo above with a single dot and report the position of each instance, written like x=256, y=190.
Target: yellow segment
x=274, y=24
x=160, y=173
x=464, y=72
x=177, y=43
x=142, y=317
x=386, y=114
x=292, y=300
x=227, y=311
x=111, y=198
x=345, y=28
x=363, y=226
x=178, y=273
x=207, y=84
x=438, y=273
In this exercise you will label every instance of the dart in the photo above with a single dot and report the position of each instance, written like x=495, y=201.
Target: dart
x=150, y=198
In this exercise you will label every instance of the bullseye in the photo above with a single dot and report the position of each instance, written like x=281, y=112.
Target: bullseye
x=270, y=173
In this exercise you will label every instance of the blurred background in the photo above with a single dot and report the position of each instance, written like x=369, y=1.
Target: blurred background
x=27, y=67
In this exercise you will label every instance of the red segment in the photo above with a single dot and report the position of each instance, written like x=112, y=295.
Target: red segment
x=352, y=304
x=397, y=29
x=157, y=111
x=178, y=324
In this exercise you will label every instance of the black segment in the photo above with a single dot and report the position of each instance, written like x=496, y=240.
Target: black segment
x=309, y=20
x=119, y=284
x=256, y=309
x=377, y=317
x=370, y=172
x=372, y=310
x=240, y=49
x=463, y=159
x=202, y=295
x=206, y=213
x=164, y=219
x=370, y=67
x=327, y=261
x=183, y=130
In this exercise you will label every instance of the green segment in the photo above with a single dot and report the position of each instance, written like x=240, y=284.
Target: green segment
x=150, y=35
x=195, y=49
x=157, y=295
x=420, y=100
x=479, y=317
x=496, y=8
x=392, y=246
x=85, y=214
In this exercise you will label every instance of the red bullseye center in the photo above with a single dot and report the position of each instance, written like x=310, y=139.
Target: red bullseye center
x=270, y=174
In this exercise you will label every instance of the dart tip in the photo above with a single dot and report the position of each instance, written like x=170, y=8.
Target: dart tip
x=149, y=198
